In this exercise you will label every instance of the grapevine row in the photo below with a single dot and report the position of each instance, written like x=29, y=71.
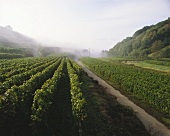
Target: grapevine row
x=14, y=67
x=22, y=77
x=43, y=102
x=76, y=94
x=16, y=102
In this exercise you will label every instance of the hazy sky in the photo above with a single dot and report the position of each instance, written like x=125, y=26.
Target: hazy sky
x=95, y=24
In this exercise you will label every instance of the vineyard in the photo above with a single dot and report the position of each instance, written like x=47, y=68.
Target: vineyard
x=51, y=96
x=28, y=89
x=150, y=86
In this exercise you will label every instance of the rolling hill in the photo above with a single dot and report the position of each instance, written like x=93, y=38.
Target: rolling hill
x=150, y=41
x=14, y=44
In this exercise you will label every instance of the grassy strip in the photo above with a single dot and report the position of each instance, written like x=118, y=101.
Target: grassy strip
x=143, y=64
x=153, y=66
x=105, y=116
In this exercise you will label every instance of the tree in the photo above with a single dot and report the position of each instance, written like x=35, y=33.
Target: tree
x=166, y=52
x=104, y=53
x=157, y=45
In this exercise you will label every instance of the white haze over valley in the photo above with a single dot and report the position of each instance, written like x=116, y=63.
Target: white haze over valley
x=94, y=25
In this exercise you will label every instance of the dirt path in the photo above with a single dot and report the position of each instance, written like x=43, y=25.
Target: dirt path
x=154, y=127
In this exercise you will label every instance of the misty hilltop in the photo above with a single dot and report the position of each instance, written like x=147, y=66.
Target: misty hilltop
x=16, y=45
x=150, y=41
x=10, y=38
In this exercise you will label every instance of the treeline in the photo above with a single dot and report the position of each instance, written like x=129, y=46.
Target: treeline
x=150, y=41
x=46, y=51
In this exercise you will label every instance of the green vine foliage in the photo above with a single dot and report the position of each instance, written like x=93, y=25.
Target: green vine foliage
x=148, y=85
x=77, y=99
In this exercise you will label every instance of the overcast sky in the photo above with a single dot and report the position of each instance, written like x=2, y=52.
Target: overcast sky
x=95, y=24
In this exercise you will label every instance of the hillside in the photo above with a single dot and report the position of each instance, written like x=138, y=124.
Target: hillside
x=150, y=41
x=14, y=44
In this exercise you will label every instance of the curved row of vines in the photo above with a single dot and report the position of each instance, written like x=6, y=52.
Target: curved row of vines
x=40, y=97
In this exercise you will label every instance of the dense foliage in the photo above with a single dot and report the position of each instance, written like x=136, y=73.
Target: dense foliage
x=148, y=85
x=77, y=98
x=46, y=51
x=150, y=41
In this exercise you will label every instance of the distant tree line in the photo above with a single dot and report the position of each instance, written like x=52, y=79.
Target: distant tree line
x=46, y=51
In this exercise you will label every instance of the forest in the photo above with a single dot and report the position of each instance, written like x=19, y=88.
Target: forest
x=149, y=42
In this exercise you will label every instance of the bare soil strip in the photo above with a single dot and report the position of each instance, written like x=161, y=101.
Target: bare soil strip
x=154, y=127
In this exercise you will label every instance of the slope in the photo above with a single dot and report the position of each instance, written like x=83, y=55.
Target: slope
x=150, y=41
x=14, y=44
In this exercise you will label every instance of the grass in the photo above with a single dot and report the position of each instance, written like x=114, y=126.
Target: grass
x=151, y=66
x=105, y=116
x=116, y=59
x=142, y=64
